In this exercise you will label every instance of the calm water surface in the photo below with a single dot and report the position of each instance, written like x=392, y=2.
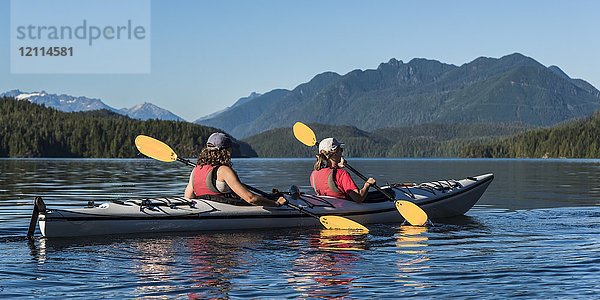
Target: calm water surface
x=535, y=233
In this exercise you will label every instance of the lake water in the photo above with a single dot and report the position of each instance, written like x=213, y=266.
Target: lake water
x=535, y=233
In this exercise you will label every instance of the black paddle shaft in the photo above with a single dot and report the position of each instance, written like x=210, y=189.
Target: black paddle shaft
x=187, y=162
x=363, y=177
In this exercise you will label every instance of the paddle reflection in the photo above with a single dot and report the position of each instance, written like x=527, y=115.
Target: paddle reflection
x=411, y=239
x=328, y=270
x=412, y=243
x=339, y=239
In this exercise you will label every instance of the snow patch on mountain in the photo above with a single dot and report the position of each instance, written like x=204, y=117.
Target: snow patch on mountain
x=27, y=96
x=62, y=102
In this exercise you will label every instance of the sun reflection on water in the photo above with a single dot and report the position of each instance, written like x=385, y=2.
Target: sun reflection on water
x=155, y=269
x=214, y=262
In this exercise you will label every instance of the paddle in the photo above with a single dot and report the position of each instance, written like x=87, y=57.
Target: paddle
x=158, y=150
x=409, y=211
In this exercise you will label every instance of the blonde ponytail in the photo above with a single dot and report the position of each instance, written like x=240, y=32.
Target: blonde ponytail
x=323, y=159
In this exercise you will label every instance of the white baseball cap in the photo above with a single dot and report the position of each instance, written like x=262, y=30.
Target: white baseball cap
x=330, y=144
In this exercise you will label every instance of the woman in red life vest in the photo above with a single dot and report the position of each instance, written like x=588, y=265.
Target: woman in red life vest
x=213, y=174
x=328, y=180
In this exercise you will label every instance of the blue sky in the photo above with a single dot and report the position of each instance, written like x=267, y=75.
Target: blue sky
x=206, y=55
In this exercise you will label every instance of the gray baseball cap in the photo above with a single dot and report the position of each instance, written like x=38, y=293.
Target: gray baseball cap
x=218, y=141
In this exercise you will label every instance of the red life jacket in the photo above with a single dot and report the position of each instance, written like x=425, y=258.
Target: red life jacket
x=323, y=181
x=204, y=178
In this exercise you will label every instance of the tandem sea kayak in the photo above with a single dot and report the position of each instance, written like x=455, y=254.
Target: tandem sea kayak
x=439, y=199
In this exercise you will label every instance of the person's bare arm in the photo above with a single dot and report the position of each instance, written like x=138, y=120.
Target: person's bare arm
x=189, y=190
x=359, y=196
x=226, y=174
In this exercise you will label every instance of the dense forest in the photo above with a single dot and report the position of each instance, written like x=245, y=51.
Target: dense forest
x=31, y=130
x=573, y=139
x=427, y=140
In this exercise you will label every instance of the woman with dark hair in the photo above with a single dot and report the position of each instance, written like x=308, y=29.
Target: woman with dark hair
x=214, y=176
x=329, y=180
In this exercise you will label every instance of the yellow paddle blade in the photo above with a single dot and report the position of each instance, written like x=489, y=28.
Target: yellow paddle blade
x=154, y=148
x=304, y=134
x=337, y=222
x=411, y=212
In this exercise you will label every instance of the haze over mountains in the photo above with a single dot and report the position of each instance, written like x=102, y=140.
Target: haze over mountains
x=514, y=88
x=238, y=102
x=68, y=103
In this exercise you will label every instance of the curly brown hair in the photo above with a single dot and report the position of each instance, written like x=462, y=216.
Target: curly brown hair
x=215, y=157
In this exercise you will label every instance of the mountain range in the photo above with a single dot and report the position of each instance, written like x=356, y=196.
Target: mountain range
x=68, y=103
x=513, y=88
